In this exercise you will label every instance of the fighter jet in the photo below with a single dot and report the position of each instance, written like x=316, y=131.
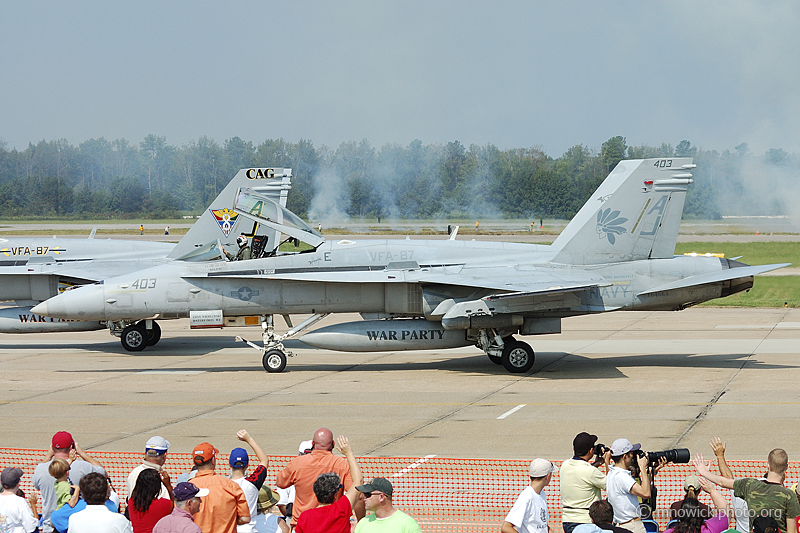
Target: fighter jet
x=35, y=269
x=616, y=254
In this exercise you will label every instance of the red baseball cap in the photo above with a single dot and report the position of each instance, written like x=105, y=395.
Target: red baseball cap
x=62, y=440
x=203, y=452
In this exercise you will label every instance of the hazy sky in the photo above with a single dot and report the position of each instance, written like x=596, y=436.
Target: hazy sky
x=515, y=74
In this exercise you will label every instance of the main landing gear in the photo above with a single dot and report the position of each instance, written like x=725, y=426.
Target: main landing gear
x=273, y=352
x=137, y=336
x=516, y=356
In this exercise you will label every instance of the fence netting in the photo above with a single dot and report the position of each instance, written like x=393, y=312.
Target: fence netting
x=446, y=495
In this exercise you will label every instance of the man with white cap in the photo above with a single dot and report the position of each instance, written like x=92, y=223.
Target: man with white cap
x=623, y=491
x=155, y=455
x=529, y=513
x=286, y=496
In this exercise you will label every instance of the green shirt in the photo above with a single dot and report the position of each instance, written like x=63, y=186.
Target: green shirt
x=771, y=498
x=62, y=493
x=399, y=522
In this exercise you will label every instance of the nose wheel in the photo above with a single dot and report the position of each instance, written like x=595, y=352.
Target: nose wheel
x=274, y=361
x=134, y=338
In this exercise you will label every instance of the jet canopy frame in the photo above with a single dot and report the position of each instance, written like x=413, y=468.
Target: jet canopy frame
x=260, y=208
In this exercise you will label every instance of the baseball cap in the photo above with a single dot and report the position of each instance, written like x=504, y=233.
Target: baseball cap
x=239, y=458
x=266, y=498
x=623, y=446
x=10, y=477
x=204, y=452
x=306, y=446
x=378, y=484
x=540, y=468
x=157, y=444
x=691, y=481
x=62, y=440
x=583, y=442
x=186, y=491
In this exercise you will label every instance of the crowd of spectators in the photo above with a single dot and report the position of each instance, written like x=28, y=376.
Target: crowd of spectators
x=321, y=493
x=625, y=472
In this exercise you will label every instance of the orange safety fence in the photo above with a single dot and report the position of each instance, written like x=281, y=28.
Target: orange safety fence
x=444, y=494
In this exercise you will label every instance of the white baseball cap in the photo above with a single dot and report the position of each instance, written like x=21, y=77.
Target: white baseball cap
x=623, y=446
x=541, y=467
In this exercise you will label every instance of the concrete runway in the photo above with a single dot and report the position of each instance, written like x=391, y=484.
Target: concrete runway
x=664, y=379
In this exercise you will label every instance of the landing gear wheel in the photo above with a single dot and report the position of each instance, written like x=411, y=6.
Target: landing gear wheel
x=518, y=356
x=495, y=359
x=134, y=338
x=274, y=361
x=153, y=335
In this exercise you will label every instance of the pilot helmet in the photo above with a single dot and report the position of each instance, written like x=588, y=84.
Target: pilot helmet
x=241, y=240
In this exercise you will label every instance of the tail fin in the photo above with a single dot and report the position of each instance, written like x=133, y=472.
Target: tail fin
x=219, y=221
x=634, y=214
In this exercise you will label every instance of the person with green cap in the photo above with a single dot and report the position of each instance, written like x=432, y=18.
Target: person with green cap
x=266, y=521
x=385, y=518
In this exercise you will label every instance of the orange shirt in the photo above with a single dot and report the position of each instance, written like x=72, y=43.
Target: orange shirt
x=302, y=472
x=223, y=505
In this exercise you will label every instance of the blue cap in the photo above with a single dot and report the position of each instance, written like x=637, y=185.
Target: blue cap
x=239, y=458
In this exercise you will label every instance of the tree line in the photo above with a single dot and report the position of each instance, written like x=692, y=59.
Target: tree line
x=114, y=179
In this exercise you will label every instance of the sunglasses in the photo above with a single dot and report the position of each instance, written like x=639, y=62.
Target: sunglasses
x=369, y=494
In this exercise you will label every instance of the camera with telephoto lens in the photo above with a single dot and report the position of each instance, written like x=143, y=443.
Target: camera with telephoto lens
x=676, y=455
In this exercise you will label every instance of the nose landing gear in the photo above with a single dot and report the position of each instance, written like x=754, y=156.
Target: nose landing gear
x=273, y=352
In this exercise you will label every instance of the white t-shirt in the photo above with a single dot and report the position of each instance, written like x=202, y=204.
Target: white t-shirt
x=618, y=489
x=529, y=513
x=98, y=519
x=15, y=515
x=134, y=476
x=251, y=495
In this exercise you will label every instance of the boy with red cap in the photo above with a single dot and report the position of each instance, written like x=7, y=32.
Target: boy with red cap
x=225, y=507
x=61, y=445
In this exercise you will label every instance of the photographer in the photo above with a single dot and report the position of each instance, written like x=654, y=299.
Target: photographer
x=623, y=491
x=581, y=481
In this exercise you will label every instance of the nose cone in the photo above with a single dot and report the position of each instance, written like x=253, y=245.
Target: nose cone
x=83, y=303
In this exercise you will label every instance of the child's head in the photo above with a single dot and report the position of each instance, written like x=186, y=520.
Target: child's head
x=59, y=469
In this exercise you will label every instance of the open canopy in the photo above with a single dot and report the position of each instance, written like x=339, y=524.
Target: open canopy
x=265, y=211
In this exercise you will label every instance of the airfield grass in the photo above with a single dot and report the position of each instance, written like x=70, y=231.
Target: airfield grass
x=767, y=291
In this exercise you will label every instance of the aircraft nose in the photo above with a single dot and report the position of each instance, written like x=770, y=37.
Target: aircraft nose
x=83, y=303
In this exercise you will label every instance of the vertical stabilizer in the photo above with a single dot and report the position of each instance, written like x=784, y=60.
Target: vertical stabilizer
x=634, y=214
x=219, y=221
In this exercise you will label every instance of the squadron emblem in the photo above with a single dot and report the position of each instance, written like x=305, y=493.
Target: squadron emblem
x=226, y=218
x=608, y=224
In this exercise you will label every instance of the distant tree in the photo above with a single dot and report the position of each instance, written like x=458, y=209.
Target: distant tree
x=776, y=156
x=613, y=151
x=685, y=149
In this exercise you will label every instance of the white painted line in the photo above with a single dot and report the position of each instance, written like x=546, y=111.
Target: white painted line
x=182, y=372
x=779, y=325
x=511, y=412
x=413, y=465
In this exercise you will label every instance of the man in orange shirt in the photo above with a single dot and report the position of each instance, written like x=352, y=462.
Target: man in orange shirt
x=225, y=507
x=303, y=470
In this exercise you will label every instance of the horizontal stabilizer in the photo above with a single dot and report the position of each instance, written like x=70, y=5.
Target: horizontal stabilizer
x=714, y=277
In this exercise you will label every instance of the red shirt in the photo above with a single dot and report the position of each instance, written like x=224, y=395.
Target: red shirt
x=333, y=518
x=144, y=522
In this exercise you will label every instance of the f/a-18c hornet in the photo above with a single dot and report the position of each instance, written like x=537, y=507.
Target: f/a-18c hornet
x=35, y=269
x=616, y=254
